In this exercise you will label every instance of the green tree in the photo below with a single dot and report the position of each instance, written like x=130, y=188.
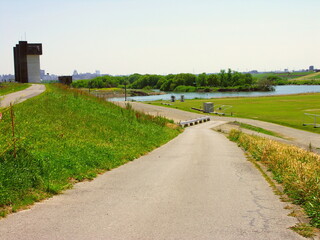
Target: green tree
x=248, y=79
x=202, y=80
x=223, y=78
x=265, y=84
x=213, y=80
x=229, y=81
x=237, y=79
x=134, y=77
x=186, y=79
x=166, y=85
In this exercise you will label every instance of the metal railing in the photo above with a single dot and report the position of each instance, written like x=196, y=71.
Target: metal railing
x=314, y=117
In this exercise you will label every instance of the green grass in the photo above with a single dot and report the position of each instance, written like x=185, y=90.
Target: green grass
x=311, y=76
x=257, y=129
x=64, y=136
x=284, y=110
x=317, y=77
x=313, y=81
x=6, y=88
x=103, y=89
x=291, y=75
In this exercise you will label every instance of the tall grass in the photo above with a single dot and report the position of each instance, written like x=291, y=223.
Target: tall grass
x=297, y=169
x=66, y=136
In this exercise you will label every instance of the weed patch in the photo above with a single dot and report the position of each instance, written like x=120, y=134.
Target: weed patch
x=296, y=169
x=257, y=129
x=304, y=230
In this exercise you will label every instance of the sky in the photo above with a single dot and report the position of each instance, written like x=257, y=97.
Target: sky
x=121, y=37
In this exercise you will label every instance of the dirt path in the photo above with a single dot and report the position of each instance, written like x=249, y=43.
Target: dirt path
x=20, y=96
x=297, y=137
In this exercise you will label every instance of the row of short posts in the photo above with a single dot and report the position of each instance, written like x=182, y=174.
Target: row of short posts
x=195, y=121
x=173, y=98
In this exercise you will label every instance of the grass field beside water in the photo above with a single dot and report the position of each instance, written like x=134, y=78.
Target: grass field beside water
x=284, y=75
x=312, y=76
x=284, y=110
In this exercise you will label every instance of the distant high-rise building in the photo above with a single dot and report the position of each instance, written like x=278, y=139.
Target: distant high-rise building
x=311, y=68
x=27, y=62
x=75, y=72
x=98, y=72
x=42, y=73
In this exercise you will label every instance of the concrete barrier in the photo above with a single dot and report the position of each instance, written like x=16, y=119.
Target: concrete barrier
x=194, y=121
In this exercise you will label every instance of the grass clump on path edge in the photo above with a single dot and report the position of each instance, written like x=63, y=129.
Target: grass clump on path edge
x=256, y=129
x=298, y=170
x=64, y=136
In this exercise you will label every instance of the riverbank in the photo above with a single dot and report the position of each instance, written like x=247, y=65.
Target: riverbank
x=107, y=93
x=279, y=90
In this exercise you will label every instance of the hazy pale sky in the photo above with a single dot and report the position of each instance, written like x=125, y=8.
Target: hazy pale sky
x=162, y=37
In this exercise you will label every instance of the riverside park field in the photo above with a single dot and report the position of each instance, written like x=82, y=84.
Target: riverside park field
x=287, y=110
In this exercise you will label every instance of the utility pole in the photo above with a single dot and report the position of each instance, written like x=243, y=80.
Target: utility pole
x=125, y=91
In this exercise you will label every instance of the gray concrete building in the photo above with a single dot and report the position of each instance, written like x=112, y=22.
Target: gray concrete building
x=27, y=62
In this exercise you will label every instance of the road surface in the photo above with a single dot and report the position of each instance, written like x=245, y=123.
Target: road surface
x=197, y=186
x=20, y=96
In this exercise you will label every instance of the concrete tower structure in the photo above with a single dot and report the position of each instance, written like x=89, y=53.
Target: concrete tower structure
x=27, y=62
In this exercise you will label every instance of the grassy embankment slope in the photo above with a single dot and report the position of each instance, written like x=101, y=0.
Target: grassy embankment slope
x=292, y=78
x=289, y=76
x=64, y=136
x=312, y=76
x=284, y=110
x=6, y=88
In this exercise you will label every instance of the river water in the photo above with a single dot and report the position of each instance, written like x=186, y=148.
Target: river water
x=279, y=90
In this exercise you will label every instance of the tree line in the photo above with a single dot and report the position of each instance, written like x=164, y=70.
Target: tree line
x=174, y=82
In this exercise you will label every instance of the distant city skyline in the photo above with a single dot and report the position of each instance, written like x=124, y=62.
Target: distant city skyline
x=89, y=75
x=162, y=37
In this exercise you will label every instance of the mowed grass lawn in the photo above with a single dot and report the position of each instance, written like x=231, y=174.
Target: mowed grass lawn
x=284, y=110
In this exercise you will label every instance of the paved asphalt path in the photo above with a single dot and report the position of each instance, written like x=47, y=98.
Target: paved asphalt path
x=297, y=137
x=20, y=96
x=197, y=186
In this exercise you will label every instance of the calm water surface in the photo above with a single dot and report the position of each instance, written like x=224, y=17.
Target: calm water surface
x=279, y=90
